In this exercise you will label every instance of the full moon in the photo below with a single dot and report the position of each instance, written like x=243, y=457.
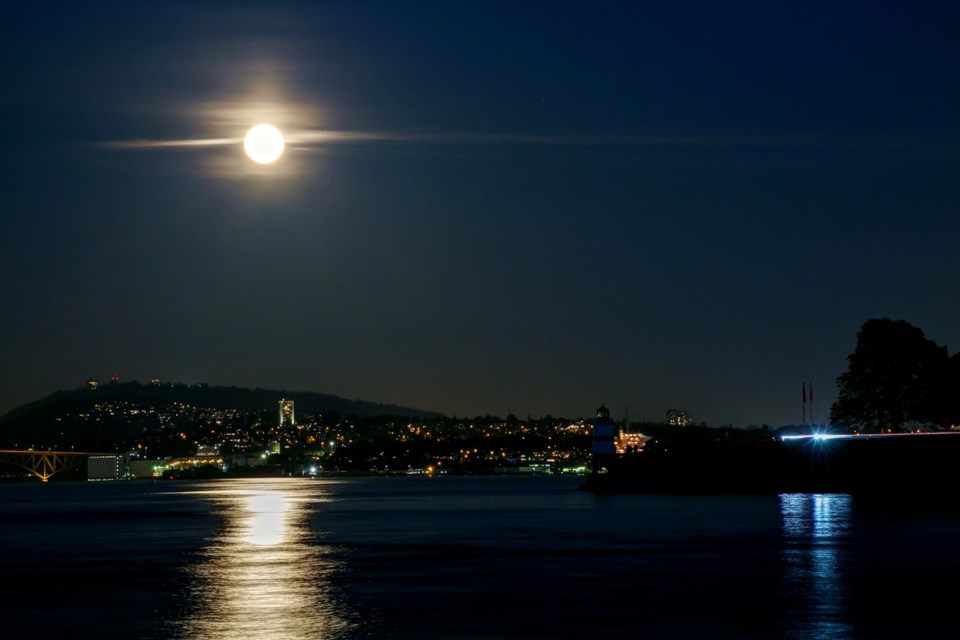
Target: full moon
x=263, y=143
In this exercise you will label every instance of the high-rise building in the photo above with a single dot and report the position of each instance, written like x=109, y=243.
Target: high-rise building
x=678, y=418
x=287, y=417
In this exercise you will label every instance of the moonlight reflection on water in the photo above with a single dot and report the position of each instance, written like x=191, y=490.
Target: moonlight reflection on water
x=263, y=574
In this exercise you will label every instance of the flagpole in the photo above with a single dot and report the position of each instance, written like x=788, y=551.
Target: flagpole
x=811, y=401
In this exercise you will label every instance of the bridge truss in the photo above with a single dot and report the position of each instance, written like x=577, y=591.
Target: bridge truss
x=44, y=464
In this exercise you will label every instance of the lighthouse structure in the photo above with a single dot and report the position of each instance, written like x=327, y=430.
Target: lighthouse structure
x=604, y=435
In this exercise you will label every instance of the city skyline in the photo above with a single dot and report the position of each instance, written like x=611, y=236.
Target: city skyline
x=481, y=207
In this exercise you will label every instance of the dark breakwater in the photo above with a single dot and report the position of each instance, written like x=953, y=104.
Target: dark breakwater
x=864, y=465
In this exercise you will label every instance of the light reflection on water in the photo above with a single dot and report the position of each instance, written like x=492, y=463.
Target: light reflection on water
x=262, y=575
x=814, y=529
x=266, y=525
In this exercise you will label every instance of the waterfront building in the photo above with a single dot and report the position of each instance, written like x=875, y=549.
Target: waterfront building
x=629, y=442
x=146, y=468
x=107, y=467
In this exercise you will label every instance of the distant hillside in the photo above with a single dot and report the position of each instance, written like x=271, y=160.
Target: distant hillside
x=61, y=411
x=215, y=398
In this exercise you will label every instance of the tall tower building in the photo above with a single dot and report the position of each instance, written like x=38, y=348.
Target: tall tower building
x=287, y=417
x=604, y=435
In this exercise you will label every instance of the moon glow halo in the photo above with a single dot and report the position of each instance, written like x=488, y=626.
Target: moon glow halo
x=263, y=143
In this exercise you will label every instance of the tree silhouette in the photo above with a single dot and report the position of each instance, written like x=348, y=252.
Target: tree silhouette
x=895, y=374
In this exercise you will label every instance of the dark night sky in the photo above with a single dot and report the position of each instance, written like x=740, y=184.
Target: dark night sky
x=649, y=204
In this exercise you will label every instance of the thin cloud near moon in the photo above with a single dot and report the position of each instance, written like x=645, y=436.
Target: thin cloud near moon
x=320, y=137
x=165, y=144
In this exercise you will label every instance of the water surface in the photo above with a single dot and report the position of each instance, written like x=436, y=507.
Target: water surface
x=455, y=558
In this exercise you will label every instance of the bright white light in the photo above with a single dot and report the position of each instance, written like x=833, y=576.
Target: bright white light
x=818, y=436
x=266, y=524
x=263, y=143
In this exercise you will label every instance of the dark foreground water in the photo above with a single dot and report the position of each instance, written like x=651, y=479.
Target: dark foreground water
x=466, y=558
